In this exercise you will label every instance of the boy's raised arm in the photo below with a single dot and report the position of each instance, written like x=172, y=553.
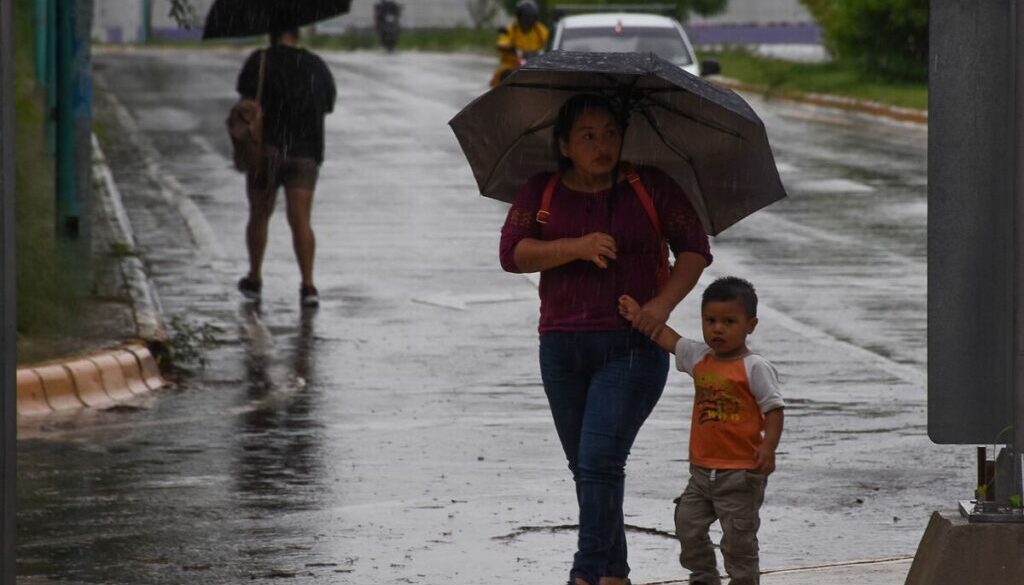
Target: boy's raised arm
x=660, y=333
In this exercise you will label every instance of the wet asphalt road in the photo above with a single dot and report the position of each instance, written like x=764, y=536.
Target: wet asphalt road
x=399, y=434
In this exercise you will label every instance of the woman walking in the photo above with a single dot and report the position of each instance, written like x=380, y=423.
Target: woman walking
x=298, y=91
x=592, y=236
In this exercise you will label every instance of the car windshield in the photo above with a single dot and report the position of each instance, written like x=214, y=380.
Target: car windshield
x=662, y=41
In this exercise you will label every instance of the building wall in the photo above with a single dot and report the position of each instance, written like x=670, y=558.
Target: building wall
x=116, y=21
x=120, y=20
x=415, y=14
x=759, y=12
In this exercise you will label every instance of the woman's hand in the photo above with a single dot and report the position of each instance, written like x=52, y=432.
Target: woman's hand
x=596, y=247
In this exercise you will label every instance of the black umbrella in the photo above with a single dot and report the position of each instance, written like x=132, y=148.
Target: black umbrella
x=246, y=18
x=706, y=137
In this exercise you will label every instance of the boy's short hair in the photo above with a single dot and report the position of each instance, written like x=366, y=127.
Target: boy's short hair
x=732, y=288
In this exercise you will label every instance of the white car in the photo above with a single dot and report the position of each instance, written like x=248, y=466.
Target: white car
x=624, y=32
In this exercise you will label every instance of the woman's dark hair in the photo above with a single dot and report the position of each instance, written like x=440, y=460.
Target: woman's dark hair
x=732, y=288
x=570, y=111
x=276, y=34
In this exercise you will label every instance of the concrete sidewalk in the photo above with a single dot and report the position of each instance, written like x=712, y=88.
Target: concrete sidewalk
x=867, y=572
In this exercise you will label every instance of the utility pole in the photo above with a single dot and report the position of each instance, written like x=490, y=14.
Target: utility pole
x=74, y=126
x=8, y=301
x=976, y=284
x=146, y=26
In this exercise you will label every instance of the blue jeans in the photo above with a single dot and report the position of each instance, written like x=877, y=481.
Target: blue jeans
x=601, y=386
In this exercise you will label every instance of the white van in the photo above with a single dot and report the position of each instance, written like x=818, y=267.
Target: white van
x=624, y=32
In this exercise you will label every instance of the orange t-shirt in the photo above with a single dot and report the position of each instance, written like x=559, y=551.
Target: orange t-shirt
x=729, y=405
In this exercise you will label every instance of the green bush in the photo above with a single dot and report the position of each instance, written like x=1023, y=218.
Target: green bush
x=888, y=38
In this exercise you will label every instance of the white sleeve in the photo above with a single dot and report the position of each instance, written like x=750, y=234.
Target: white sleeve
x=764, y=383
x=688, y=353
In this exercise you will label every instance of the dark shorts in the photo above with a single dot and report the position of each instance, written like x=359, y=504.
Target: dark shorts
x=290, y=172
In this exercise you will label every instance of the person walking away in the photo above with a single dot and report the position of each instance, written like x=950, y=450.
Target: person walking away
x=736, y=428
x=298, y=92
x=524, y=38
x=591, y=238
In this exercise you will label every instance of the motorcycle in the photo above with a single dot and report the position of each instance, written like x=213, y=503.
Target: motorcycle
x=386, y=15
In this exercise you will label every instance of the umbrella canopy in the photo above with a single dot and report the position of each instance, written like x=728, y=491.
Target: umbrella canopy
x=706, y=137
x=246, y=18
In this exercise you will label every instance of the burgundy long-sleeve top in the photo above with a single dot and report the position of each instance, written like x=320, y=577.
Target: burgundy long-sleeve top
x=580, y=296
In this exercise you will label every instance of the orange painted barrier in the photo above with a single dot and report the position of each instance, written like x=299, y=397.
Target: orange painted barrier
x=112, y=376
x=150, y=371
x=31, y=397
x=98, y=380
x=88, y=383
x=132, y=372
x=59, y=387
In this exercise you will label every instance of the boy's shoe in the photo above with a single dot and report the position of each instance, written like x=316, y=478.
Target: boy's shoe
x=309, y=296
x=250, y=288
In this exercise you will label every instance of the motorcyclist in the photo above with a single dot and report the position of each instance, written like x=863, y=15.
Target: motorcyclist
x=523, y=39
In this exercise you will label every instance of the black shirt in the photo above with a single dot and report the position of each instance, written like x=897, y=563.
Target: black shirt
x=298, y=91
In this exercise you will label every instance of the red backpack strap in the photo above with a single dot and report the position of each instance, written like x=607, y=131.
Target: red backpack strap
x=544, y=213
x=648, y=204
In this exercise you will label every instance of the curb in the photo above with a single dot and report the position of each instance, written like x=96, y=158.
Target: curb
x=146, y=309
x=97, y=380
x=105, y=378
x=877, y=109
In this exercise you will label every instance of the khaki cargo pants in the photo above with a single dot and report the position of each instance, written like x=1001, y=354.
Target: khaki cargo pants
x=734, y=497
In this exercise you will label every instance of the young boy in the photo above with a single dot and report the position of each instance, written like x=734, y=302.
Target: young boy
x=737, y=423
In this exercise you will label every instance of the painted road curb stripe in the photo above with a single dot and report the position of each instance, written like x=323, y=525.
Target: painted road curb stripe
x=113, y=378
x=86, y=378
x=99, y=380
x=58, y=387
x=31, y=397
x=132, y=372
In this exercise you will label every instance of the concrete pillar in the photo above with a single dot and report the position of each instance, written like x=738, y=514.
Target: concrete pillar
x=955, y=552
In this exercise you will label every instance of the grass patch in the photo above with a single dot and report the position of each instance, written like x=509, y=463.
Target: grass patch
x=779, y=77
x=47, y=297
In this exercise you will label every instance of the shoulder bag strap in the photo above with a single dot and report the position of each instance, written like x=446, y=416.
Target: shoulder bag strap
x=263, y=68
x=544, y=213
x=648, y=204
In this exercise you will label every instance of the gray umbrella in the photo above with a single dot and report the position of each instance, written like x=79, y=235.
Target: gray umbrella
x=706, y=137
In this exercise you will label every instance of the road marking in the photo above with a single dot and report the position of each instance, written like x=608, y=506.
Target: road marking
x=170, y=189
x=831, y=186
x=463, y=302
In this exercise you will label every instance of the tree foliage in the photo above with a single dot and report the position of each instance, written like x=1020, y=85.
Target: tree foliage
x=884, y=37
x=184, y=13
x=684, y=8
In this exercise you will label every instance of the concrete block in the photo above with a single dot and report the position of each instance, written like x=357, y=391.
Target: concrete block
x=88, y=383
x=59, y=388
x=150, y=371
x=112, y=376
x=31, y=396
x=956, y=552
x=132, y=372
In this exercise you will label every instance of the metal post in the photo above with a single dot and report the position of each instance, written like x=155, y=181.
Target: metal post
x=67, y=213
x=39, y=22
x=145, y=27
x=50, y=36
x=8, y=301
x=1017, y=74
